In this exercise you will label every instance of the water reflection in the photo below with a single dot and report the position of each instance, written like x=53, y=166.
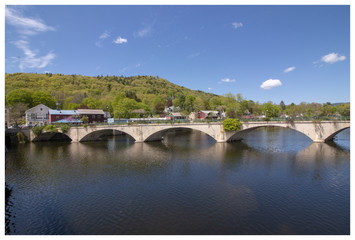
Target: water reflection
x=273, y=182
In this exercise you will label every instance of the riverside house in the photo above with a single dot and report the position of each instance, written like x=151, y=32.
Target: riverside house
x=38, y=115
x=94, y=115
x=207, y=114
x=175, y=116
x=57, y=115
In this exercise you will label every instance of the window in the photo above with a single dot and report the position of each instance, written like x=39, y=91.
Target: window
x=93, y=116
x=98, y=116
x=56, y=117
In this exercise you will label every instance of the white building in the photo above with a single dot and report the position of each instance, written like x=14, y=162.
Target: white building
x=38, y=115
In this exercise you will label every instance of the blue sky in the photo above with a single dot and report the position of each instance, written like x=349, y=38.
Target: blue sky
x=266, y=53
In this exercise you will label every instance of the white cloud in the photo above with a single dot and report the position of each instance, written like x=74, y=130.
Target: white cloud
x=31, y=60
x=102, y=37
x=25, y=25
x=227, y=80
x=271, y=83
x=209, y=89
x=120, y=40
x=193, y=55
x=332, y=58
x=237, y=25
x=289, y=69
x=105, y=35
x=144, y=32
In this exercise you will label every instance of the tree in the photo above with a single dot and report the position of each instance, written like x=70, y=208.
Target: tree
x=230, y=124
x=159, y=108
x=19, y=96
x=239, y=97
x=214, y=102
x=327, y=110
x=84, y=119
x=271, y=110
x=199, y=104
x=17, y=112
x=43, y=98
x=189, y=103
x=179, y=101
x=231, y=105
x=344, y=109
x=123, y=107
x=282, y=105
x=92, y=103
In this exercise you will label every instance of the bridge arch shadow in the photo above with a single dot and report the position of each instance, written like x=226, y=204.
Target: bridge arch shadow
x=332, y=136
x=242, y=134
x=48, y=136
x=100, y=135
x=159, y=135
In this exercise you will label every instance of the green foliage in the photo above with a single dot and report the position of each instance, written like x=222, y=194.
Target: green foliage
x=84, y=119
x=92, y=102
x=19, y=96
x=21, y=137
x=65, y=128
x=37, y=130
x=231, y=124
x=282, y=105
x=271, y=110
x=50, y=128
x=45, y=98
x=125, y=108
x=344, y=109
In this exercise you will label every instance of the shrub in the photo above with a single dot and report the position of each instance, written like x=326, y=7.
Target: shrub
x=50, y=128
x=21, y=137
x=232, y=124
x=84, y=119
x=65, y=128
x=37, y=130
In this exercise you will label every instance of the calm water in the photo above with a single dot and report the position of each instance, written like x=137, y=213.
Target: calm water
x=276, y=181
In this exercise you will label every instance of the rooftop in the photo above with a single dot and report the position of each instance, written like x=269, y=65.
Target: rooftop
x=63, y=112
x=91, y=111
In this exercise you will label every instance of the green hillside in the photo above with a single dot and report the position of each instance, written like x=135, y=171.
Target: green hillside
x=141, y=96
x=71, y=91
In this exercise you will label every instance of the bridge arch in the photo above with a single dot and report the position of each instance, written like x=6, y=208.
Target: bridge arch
x=331, y=136
x=241, y=134
x=158, y=135
x=48, y=136
x=96, y=135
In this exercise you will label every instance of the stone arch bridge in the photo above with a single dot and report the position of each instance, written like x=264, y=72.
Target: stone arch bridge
x=316, y=131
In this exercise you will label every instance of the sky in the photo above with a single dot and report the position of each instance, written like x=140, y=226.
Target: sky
x=290, y=53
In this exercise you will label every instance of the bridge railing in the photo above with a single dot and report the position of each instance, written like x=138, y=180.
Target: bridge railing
x=128, y=122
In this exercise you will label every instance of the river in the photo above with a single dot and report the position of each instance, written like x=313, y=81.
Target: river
x=275, y=181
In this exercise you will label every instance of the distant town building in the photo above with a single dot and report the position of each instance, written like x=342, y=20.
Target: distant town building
x=94, y=115
x=207, y=115
x=38, y=115
x=171, y=109
x=192, y=116
x=249, y=117
x=175, y=116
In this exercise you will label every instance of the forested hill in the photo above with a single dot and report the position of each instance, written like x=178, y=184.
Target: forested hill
x=140, y=96
x=71, y=91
